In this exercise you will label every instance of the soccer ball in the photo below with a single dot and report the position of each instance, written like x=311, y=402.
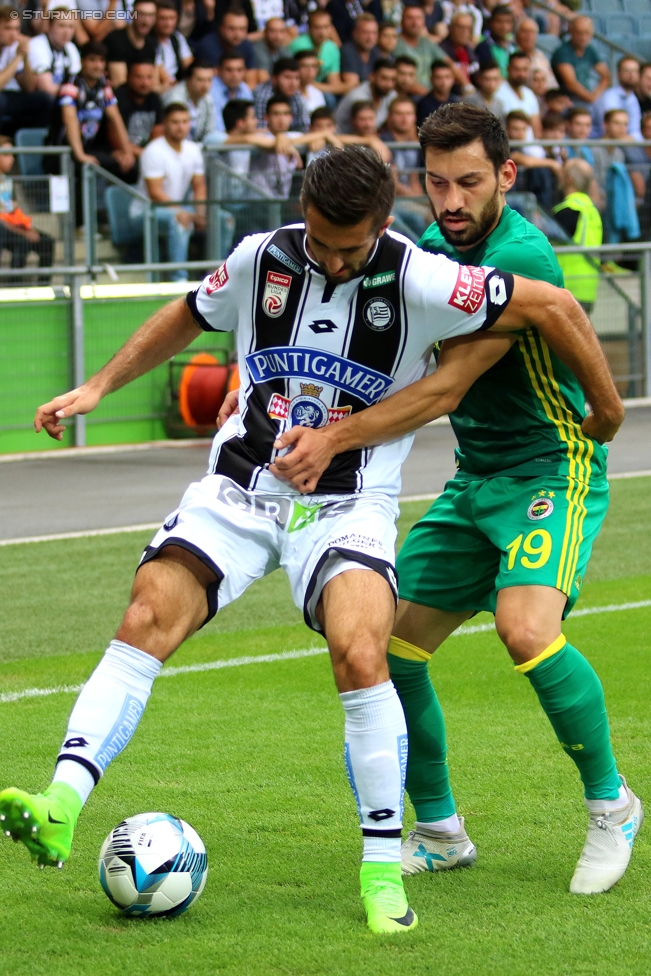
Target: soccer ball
x=153, y=865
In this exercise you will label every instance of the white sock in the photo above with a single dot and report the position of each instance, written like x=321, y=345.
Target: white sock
x=450, y=825
x=376, y=763
x=609, y=806
x=105, y=715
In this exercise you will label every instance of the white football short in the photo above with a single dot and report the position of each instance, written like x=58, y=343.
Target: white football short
x=244, y=535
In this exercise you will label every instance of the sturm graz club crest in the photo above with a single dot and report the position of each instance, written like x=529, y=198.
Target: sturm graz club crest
x=308, y=410
x=379, y=314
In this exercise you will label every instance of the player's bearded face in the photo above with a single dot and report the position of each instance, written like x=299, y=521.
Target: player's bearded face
x=473, y=226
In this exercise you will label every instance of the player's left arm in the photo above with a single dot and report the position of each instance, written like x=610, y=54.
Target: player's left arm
x=567, y=330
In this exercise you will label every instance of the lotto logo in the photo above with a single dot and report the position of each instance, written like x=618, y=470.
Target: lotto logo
x=468, y=292
x=217, y=279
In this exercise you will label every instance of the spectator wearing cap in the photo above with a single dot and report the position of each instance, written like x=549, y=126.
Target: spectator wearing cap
x=319, y=38
x=439, y=94
x=227, y=85
x=140, y=106
x=487, y=80
x=173, y=54
x=576, y=63
x=195, y=93
x=285, y=80
x=497, y=45
x=458, y=46
x=526, y=38
x=622, y=96
x=229, y=37
x=360, y=53
x=514, y=94
x=414, y=43
x=379, y=90
x=134, y=43
x=53, y=57
x=271, y=46
x=18, y=100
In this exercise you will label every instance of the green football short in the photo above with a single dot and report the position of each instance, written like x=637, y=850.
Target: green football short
x=481, y=536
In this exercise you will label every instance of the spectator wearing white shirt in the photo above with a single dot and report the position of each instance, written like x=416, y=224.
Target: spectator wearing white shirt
x=53, y=57
x=308, y=69
x=171, y=167
x=194, y=93
x=526, y=37
x=229, y=84
x=173, y=54
x=622, y=96
x=18, y=100
x=514, y=94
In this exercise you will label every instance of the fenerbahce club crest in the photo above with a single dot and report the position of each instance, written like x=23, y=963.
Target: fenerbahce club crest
x=305, y=410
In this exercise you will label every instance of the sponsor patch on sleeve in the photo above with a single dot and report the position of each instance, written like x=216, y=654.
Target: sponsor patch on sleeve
x=217, y=279
x=468, y=292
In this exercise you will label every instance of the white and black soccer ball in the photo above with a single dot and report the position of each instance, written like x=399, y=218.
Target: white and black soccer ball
x=153, y=865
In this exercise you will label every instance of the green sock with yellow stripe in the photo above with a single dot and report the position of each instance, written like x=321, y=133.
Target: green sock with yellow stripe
x=428, y=779
x=573, y=700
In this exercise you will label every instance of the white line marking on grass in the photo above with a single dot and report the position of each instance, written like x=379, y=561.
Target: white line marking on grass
x=237, y=662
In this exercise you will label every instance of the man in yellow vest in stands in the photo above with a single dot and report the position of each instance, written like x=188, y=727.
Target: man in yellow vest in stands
x=581, y=221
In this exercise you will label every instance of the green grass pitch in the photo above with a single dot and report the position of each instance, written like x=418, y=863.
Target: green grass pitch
x=252, y=757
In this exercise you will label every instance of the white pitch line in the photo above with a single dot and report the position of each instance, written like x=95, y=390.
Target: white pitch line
x=237, y=662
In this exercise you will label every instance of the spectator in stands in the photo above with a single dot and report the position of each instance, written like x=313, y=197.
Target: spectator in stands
x=526, y=38
x=140, y=106
x=616, y=124
x=558, y=101
x=457, y=46
x=538, y=84
x=228, y=84
x=638, y=158
x=578, y=126
x=171, y=168
x=273, y=171
x=514, y=94
x=265, y=10
x=270, y=47
x=16, y=232
x=581, y=221
x=414, y=43
x=196, y=19
x=322, y=121
x=535, y=171
x=195, y=93
x=400, y=127
x=135, y=42
x=22, y=106
x=53, y=57
x=644, y=89
x=379, y=89
x=576, y=63
x=434, y=17
x=229, y=38
x=452, y=9
x=619, y=187
x=623, y=96
x=103, y=17
x=308, y=69
x=439, y=94
x=344, y=13
x=487, y=80
x=555, y=127
x=285, y=81
x=360, y=53
x=363, y=121
x=319, y=38
x=387, y=39
x=497, y=45
x=173, y=54
x=406, y=80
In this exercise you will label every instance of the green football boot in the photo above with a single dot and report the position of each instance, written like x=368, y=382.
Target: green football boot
x=44, y=822
x=384, y=898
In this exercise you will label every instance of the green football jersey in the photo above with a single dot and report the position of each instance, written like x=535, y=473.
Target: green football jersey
x=523, y=416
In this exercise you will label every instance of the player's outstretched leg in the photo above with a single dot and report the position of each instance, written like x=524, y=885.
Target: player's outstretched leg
x=572, y=697
x=357, y=611
x=168, y=603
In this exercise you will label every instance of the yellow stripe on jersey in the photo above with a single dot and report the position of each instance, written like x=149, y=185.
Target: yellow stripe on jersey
x=579, y=450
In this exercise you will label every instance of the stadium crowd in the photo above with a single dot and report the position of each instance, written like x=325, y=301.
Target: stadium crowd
x=142, y=87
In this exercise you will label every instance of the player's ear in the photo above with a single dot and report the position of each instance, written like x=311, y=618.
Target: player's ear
x=385, y=226
x=507, y=174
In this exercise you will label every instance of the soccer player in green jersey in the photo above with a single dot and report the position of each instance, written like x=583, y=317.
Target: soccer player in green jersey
x=512, y=533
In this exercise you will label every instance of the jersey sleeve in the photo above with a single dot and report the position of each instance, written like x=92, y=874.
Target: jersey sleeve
x=37, y=55
x=68, y=94
x=455, y=299
x=216, y=303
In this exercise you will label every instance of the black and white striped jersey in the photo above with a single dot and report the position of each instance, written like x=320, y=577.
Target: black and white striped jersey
x=310, y=352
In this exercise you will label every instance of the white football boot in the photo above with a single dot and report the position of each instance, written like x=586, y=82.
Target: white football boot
x=608, y=847
x=437, y=851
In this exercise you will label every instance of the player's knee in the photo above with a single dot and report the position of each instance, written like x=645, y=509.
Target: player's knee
x=142, y=619
x=358, y=662
x=524, y=639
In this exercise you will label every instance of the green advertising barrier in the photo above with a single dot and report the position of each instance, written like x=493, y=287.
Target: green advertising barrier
x=36, y=361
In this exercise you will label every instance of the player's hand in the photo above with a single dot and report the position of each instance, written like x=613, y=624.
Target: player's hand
x=49, y=416
x=229, y=408
x=602, y=430
x=309, y=456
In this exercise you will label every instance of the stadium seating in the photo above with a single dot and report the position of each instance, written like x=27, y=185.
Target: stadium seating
x=30, y=165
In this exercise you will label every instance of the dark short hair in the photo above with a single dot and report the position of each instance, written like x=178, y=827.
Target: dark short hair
x=235, y=110
x=553, y=120
x=359, y=106
x=284, y=64
x=349, y=185
x=614, y=111
x=383, y=64
x=438, y=64
x=167, y=5
x=518, y=56
x=552, y=93
x=501, y=10
x=175, y=107
x=405, y=59
x=308, y=52
x=93, y=49
x=457, y=124
x=489, y=65
x=230, y=56
x=235, y=11
x=323, y=112
x=627, y=57
x=140, y=58
x=198, y=65
x=517, y=115
x=277, y=100
x=385, y=25
x=576, y=111
x=313, y=14
x=136, y=3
